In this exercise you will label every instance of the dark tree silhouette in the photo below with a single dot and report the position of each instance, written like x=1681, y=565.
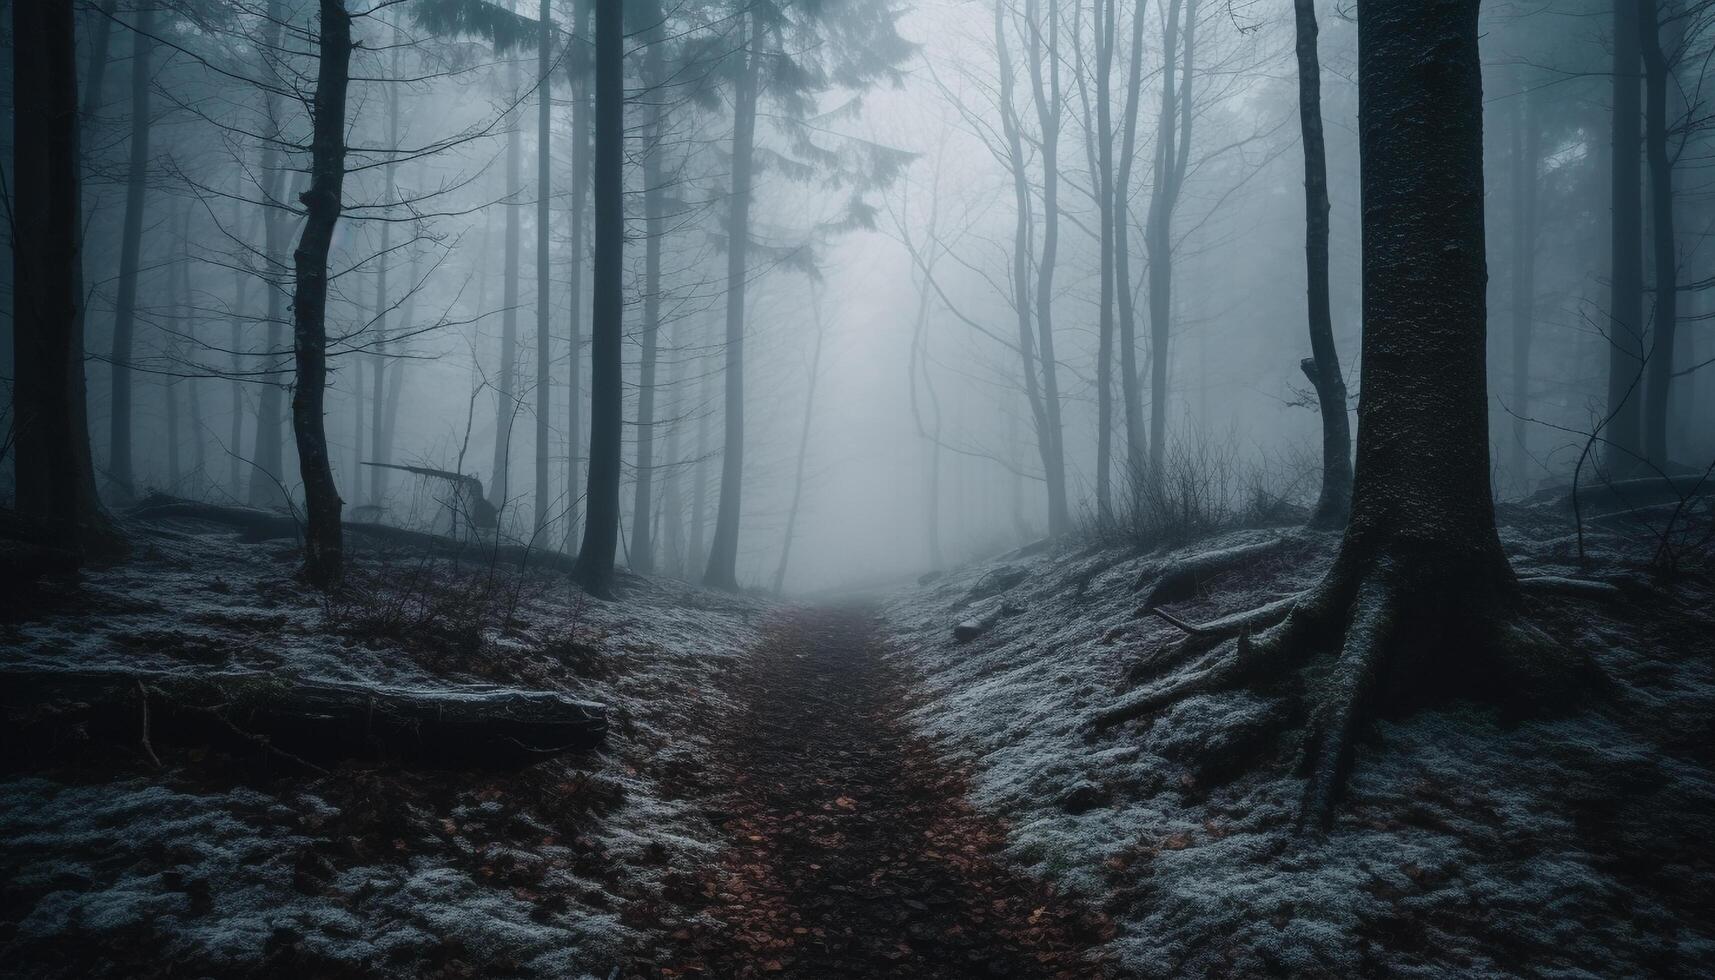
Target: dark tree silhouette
x=594, y=569
x=1323, y=366
x=130, y=253
x=1418, y=601
x=55, y=476
x=323, y=552
x=1625, y=326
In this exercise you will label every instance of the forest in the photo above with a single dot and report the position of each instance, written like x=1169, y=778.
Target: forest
x=857, y=488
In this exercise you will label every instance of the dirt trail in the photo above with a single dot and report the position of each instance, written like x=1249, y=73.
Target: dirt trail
x=853, y=851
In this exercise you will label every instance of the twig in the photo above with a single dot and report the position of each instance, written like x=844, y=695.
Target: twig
x=148, y=747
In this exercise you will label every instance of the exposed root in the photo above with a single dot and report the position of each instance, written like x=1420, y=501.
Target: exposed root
x=1342, y=709
x=1200, y=638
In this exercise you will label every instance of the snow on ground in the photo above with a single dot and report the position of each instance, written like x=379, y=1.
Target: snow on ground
x=216, y=865
x=1468, y=845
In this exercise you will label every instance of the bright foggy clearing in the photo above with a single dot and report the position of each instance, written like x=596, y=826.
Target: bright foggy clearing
x=1066, y=488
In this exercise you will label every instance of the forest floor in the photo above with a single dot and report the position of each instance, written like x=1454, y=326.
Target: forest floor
x=852, y=850
x=844, y=791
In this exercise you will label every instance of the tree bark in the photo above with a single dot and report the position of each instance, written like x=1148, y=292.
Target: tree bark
x=130, y=255
x=323, y=201
x=1105, y=207
x=55, y=474
x=1335, y=499
x=1625, y=327
x=594, y=570
x=723, y=550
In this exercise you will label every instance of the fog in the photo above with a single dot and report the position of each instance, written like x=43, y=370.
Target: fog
x=883, y=226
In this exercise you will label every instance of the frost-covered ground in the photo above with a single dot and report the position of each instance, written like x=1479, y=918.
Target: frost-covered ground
x=219, y=865
x=1577, y=846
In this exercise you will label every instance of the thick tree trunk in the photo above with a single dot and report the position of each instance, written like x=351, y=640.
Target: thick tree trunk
x=505, y=398
x=1527, y=151
x=594, y=569
x=723, y=550
x=130, y=255
x=1625, y=327
x=1323, y=368
x=323, y=548
x=1657, y=74
x=55, y=476
x=654, y=229
x=1417, y=601
x=544, y=143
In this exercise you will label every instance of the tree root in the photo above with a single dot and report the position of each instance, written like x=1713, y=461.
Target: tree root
x=1392, y=646
x=1206, y=636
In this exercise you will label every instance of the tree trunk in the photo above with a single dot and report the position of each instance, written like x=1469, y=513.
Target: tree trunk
x=1136, y=438
x=1172, y=152
x=672, y=499
x=544, y=143
x=1625, y=327
x=654, y=229
x=1417, y=601
x=381, y=396
x=594, y=569
x=268, y=466
x=1018, y=164
x=575, y=63
x=505, y=400
x=803, y=445
x=723, y=550
x=696, y=558
x=130, y=255
x=1323, y=368
x=323, y=552
x=100, y=44
x=55, y=476
x=1657, y=74
x=1047, y=98
x=1105, y=192
x=1527, y=151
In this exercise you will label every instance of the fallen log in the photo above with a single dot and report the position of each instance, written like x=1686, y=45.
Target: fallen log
x=307, y=721
x=260, y=525
x=1180, y=579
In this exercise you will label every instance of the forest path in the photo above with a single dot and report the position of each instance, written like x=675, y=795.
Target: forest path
x=852, y=849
